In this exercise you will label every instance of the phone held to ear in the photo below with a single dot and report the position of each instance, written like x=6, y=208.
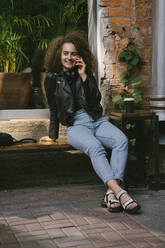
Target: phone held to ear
x=79, y=66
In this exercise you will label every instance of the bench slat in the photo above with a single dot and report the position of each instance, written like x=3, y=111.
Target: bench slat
x=39, y=146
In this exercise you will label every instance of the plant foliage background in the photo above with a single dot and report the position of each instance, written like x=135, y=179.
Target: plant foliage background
x=26, y=26
x=130, y=79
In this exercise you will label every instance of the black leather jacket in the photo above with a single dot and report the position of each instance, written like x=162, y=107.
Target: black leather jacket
x=61, y=102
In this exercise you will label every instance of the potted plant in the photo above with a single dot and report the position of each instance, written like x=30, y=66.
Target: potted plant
x=15, y=28
x=130, y=79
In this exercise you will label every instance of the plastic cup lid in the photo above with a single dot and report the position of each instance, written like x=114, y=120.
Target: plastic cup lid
x=128, y=99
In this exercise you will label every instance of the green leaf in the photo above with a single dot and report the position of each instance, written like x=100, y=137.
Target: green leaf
x=136, y=81
x=137, y=52
x=135, y=84
x=123, y=75
x=117, y=98
x=137, y=99
x=129, y=67
x=135, y=61
x=123, y=81
x=136, y=93
x=129, y=57
x=123, y=55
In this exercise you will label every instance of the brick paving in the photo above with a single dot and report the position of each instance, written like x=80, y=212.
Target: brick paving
x=71, y=216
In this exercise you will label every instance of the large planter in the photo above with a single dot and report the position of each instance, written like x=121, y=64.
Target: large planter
x=15, y=90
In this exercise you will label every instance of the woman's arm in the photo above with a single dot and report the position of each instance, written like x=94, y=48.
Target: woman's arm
x=92, y=93
x=49, y=89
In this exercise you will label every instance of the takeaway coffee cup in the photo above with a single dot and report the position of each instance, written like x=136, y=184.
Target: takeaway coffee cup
x=129, y=105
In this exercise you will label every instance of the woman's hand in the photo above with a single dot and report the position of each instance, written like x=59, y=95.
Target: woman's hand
x=46, y=139
x=81, y=67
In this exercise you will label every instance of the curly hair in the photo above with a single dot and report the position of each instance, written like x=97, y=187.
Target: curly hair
x=52, y=60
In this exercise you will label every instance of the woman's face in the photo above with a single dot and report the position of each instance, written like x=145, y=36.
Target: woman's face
x=68, y=56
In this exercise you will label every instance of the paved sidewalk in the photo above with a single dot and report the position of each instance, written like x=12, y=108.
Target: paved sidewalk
x=72, y=217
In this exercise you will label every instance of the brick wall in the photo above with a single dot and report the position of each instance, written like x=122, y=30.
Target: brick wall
x=119, y=17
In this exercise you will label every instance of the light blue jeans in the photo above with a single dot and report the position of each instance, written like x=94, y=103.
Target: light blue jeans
x=91, y=137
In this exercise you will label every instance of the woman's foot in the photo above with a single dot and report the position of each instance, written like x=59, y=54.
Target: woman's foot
x=110, y=201
x=130, y=205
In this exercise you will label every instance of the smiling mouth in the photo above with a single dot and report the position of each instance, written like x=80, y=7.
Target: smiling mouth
x=69, y=62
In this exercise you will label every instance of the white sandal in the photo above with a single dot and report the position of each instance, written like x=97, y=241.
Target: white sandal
x=108, y=203
x=126, y=203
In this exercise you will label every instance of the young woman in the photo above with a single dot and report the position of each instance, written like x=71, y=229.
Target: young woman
x=74, y=100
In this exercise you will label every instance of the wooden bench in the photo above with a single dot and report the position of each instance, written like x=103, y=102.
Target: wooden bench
x=60, y=145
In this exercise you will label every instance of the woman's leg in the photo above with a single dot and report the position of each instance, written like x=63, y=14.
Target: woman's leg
x=112, y=137
x=82, y=138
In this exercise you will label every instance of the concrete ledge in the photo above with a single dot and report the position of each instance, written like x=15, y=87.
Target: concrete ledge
x=8, y=114
x=28, y=128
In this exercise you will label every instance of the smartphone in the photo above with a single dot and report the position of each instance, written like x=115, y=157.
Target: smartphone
x=79, y=66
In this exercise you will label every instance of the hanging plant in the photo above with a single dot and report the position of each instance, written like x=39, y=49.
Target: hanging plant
x=130, y=79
